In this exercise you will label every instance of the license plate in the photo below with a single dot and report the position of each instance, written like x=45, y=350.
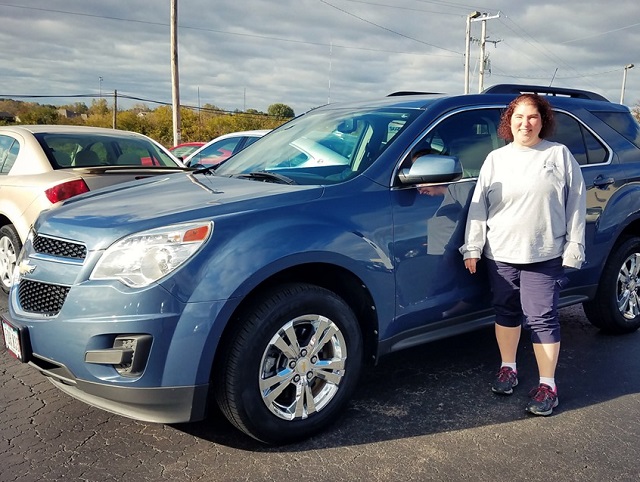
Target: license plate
x=12, y=340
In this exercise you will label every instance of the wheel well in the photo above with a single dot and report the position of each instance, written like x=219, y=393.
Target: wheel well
x=4, y=220
x=338, y=280
x=633, y=229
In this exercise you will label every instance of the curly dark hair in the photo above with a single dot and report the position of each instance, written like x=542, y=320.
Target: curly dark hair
x=543, y=106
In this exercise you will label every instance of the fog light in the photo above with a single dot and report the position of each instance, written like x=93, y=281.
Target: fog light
x=129, y=354
x=140, y=345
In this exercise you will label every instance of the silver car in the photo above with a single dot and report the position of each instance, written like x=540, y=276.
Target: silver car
x=42, y=165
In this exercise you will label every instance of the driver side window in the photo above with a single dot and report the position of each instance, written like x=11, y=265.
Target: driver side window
x=470, y=136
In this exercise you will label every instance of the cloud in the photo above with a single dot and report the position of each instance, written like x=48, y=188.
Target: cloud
x=304, y=53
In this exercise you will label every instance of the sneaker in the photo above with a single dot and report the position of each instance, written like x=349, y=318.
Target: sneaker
x=543, y=400
x=505, y=380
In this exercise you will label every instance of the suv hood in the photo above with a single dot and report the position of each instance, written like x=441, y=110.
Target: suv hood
x=162, y=200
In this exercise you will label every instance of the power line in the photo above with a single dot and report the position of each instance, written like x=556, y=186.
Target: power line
x=543, y=50
x=134, y=98
x=222, y=32
x=388, y=29
x=397, y=7
x=600, y=34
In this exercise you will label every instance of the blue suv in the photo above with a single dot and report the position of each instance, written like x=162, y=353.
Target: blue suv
x=265, y=286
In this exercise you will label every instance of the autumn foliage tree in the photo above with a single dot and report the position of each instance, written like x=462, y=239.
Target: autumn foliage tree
x=201, y=124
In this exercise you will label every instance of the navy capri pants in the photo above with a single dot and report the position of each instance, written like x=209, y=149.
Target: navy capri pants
x=527, y=295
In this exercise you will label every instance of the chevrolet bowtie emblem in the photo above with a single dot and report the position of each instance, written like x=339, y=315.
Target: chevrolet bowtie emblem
x=25, y=268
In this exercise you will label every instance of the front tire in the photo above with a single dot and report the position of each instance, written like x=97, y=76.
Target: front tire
x=292, y=364
x=10, y=247
x=616, y=306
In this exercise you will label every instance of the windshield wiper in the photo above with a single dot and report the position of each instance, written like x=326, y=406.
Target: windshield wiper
x=205, y=169
x=267, y=176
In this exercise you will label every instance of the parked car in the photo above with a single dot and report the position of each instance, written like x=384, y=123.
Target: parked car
x=183, y=150
x=265, y=286
x=222, y=147
x=42, y=165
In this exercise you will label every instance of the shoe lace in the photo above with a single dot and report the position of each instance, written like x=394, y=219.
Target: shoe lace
x=542, y=393
x=505, y=374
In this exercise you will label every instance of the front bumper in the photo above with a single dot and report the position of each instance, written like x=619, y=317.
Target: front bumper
x=159, y=405
x=77, y=354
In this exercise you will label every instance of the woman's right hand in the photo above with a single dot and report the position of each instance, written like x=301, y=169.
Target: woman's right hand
x=470, y=264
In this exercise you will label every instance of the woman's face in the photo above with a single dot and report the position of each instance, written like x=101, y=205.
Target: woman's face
x=526, y=124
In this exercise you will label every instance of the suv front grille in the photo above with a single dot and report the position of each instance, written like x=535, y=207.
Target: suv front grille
x=58, y=247
x=43, y=298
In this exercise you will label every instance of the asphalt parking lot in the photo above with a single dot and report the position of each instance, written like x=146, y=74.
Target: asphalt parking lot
x=424, y=414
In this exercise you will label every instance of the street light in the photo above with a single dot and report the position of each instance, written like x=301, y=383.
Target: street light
x=100, y=80
x=624, y=81
x=472, y=15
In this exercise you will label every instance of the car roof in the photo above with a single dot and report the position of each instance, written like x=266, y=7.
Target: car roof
x=65, y=129
x=253, y=133
x=188, y=144
x=498, y=94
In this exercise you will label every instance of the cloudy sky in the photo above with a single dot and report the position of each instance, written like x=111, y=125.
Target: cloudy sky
x=249, y=54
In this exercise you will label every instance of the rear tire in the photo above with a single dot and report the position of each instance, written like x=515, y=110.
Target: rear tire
x=10, y=247
x=616, y=306
x=291, y=365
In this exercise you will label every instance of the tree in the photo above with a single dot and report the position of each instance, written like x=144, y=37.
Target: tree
x=77, y=107
x=201, y=124
x=636, y=111
x=99, y=107
x=42, y=114
x=280, y=110
x=160, y=125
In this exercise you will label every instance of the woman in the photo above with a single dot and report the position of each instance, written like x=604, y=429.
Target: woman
x=527, y=217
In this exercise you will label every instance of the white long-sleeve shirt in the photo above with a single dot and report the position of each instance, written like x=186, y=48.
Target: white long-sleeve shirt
x=529, y=205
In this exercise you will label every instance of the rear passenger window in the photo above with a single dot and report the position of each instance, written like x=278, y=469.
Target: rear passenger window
x=584, y=146
x=623, y=123
x=9, y=148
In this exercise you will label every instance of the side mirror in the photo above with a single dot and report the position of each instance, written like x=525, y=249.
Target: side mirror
x=432, y=169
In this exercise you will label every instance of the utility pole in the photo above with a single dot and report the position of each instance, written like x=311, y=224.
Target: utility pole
x=467, y=49
x=483, y=44
x=114, y=123
x=476, y=17
x=624, y=81
x=175, y=90
x=330, y=62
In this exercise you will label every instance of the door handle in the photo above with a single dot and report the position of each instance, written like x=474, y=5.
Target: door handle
x=603, y=182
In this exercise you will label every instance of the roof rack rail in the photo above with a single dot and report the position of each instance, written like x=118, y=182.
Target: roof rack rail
x=409, y=92
x=540, y=89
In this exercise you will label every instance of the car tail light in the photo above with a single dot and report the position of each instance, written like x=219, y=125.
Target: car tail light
x=66, y=190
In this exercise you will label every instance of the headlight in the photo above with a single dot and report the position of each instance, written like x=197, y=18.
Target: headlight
x=142, y=258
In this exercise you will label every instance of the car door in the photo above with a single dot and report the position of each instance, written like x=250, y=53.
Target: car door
x=432, y=284
x=603, y=177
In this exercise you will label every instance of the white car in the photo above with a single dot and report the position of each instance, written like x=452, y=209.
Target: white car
x=42, y=165
x=223, y=147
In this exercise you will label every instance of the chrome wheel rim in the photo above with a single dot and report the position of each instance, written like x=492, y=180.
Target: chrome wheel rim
x=8, y=259
x=627, y=288
x=302, y=367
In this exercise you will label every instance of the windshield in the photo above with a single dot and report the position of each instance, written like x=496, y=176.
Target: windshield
x=325, y=146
